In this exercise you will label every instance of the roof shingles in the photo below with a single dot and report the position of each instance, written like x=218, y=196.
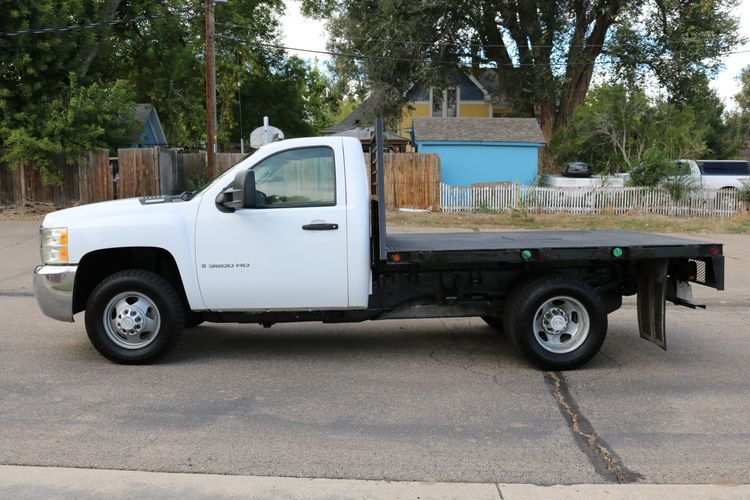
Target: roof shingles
x=478, y=130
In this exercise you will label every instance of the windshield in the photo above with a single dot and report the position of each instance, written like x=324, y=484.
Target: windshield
x=206, y=185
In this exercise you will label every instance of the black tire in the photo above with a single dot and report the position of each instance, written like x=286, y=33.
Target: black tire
x=495, y=322
x=145, y=319
x=524, y=309
x=193, y=319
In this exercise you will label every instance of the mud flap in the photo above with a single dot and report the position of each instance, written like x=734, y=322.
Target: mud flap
x=652, y=294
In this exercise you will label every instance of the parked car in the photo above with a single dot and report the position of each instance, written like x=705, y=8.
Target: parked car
x=716, y=174
x=577, y=169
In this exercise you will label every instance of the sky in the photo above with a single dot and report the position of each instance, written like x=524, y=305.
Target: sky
x=306, y=33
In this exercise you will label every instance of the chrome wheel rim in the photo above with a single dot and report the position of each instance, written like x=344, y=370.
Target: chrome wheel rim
x=131, y=320
x=561, y=325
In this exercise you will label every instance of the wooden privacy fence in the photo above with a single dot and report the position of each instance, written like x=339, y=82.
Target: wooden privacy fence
x=575, y=200
x=412, y=180
x=153, y=171
x=95, y=182
x=140, y=172
x=86, y=181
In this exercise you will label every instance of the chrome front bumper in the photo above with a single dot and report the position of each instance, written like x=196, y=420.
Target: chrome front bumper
x=53, y=288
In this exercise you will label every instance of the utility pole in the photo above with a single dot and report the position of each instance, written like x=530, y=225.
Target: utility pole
x=210, y=92
x=239, y=93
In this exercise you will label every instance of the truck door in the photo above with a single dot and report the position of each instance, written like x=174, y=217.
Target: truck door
x=289, y=252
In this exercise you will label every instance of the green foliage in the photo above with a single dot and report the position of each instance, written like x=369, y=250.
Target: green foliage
x=348, y=105
x=738, y=122
x=680, y=43
x=545, y=52
x=62, y=93
x=652, y=170
x=90, y=117
x=294, y=95
x=617, y=130
x=743, y=192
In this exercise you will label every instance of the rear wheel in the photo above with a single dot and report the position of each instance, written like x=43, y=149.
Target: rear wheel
x=557, y=323
x=134, y=317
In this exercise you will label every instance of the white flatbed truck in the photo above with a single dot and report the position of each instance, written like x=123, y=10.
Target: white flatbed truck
x=296, y=232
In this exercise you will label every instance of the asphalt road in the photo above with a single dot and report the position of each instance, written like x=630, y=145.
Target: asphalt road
x=428, y=400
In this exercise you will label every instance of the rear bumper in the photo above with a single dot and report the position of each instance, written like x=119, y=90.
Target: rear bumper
x=53, y=288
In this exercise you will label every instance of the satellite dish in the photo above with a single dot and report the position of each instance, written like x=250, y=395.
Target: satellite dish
x=258, y=136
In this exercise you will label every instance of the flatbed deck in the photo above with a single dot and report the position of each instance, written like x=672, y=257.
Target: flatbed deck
x=542, y=246
x=519, y=240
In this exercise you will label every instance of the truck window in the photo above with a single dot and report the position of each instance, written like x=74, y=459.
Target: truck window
x=303, y=177
x=724, y=167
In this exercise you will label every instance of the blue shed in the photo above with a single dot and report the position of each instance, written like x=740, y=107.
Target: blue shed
x=474, y=150
x=152, y=133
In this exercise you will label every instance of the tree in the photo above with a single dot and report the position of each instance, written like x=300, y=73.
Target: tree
x=738, y=122
x=63, y=91
x=619, y=130
x=294, y=94
x=545, y=52
x=90, y=117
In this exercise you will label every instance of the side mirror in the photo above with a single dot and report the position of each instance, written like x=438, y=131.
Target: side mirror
x=240, y=194
x=246, y=179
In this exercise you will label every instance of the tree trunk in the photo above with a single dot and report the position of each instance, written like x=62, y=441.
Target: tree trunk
x=547, y=117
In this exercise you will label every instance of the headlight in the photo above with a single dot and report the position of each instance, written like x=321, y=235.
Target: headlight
x=55, y=245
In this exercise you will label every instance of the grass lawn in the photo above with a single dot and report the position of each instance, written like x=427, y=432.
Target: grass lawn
x=485, y=221
x=740, y=224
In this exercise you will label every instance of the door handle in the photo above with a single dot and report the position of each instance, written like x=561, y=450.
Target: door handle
x=320, y=227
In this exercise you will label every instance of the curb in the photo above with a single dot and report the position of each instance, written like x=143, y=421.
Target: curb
x=23, y=482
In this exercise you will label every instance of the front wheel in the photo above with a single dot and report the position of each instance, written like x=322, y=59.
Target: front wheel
x=134, y=317
x=557, y=323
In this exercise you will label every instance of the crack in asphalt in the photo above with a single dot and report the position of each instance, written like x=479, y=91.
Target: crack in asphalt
x=498, y=491
x=605, y=461
x=15, y=294
x=460, y=351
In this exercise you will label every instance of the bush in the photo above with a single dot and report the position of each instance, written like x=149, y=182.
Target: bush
x=744, y=192
x=654, y=168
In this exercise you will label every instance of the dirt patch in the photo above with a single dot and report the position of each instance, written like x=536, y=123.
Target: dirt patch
x=481, y=221
x=27, y=211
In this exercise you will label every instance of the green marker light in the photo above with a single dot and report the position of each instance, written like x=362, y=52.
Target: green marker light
x=617, y=252
x=526, y=255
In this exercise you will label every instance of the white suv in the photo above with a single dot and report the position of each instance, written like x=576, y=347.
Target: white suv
x=717, y=174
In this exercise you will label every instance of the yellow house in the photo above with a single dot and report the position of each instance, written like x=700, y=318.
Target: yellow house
x=467, y=98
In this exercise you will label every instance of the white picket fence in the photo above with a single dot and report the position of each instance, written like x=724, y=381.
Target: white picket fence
x=588, y=200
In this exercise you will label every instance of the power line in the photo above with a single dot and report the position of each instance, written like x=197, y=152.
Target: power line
x=114, y=22
x=414, y=60
x=685, y=40
x=365, y=56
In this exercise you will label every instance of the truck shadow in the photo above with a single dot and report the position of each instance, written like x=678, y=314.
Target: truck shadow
x=441, y=341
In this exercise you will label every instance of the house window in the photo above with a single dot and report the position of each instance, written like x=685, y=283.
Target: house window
x=451, y=102
x=444, y=103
